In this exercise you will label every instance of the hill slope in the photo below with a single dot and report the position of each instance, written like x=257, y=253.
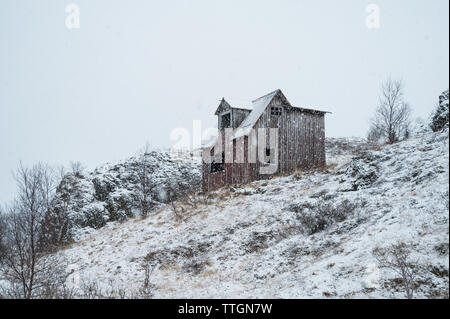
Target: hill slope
x=307, y=235
x=114, y=192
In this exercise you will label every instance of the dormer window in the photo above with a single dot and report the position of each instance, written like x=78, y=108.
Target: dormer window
x=275, y=111
x=225, y=120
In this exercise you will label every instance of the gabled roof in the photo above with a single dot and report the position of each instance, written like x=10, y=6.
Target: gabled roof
x=240, y=104
x=222, y=106
x=258, y=107
x=233, y=103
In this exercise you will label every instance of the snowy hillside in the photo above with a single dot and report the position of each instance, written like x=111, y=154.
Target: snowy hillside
x=133, y=187
x=309, y=235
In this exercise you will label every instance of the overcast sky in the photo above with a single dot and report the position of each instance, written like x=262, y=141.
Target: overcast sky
x=135, y=70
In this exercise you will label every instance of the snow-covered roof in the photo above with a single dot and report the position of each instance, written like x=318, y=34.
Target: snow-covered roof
x=209, y=141
x=258, y=107
x=240, y=104
x=227, y=103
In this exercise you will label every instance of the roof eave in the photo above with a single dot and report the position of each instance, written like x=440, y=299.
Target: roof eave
x=302, y=109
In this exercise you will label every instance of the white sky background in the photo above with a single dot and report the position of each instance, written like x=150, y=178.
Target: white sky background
x=135, y=70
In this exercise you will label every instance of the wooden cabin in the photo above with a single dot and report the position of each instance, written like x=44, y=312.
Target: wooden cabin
x=266, y=137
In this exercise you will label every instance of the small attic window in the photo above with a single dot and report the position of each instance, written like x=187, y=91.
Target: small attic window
x=225, y=121
x=275, y=110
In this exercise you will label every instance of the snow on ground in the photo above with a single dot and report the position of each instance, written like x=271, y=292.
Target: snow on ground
x=253, y=241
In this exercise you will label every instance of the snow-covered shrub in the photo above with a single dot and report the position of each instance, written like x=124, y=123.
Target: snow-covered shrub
x=361, y=173
x=93, y=216
x=193, y=251
x=375, y=135
x=74, y=207
x=117, y=202
x=419, y=127
x=317, y=216
x=256, y=242
x=195, y=265
x=440, y=117
x=442, y=248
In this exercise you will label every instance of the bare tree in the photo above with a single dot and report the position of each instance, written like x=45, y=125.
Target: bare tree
x=392, y=116
x=77, y=169
x=2, y=235
x=189, y=186
x=171, y=196
x=397, y=258
x=183, y=188
x=146, y=291
x=26, y=262
x=56, y=220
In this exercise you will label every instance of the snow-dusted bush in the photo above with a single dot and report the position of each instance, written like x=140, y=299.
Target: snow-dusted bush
x=195, y=265
x=361, y=173
x=257, y=241
x=419, y=127
x=440, y=117
x=192, y=256
x=442, y=248
x=317, y=216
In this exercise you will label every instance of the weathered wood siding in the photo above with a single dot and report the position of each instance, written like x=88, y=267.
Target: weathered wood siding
x=238, y=115
x=301, y=144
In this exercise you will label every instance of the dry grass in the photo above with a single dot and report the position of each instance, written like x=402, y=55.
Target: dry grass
x=169, y=267
x=331, y=166
x=133, y=259
x=198, y=284
x=209, y=273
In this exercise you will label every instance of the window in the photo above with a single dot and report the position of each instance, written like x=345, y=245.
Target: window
x=275, y=110
x=268, y=157
x=225, y=121
x=218, y=167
